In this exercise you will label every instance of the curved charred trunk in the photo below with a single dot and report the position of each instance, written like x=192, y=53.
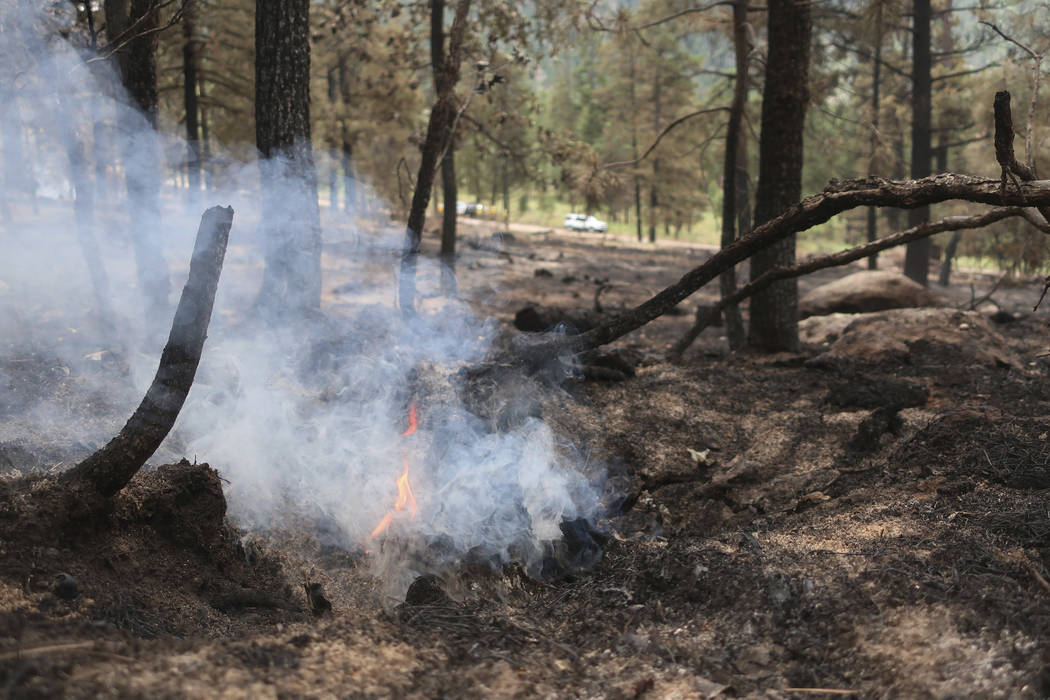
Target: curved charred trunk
x=109, y=469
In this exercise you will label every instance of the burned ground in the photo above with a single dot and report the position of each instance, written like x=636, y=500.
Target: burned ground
x=754, y=546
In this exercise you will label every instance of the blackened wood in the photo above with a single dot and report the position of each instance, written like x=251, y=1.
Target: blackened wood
x=109, y=469
x=774, y=312
x=1004, y=139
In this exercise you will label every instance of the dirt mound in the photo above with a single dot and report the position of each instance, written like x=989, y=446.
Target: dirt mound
x=864, y=292
x=161, y=563
x=920, y=337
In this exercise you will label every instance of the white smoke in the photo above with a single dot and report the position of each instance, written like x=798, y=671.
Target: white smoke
x=297, y=418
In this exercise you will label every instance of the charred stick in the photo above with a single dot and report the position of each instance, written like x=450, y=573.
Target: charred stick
x=1004, y=147
x=109, y=469
x=706, y=316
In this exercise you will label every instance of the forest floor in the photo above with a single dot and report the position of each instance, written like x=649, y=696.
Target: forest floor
x=759, y=554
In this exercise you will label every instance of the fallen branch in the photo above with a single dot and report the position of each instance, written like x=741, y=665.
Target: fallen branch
x=838, y=197
x=109, y=469
x=708, y=315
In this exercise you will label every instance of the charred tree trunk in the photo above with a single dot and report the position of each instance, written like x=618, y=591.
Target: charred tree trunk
x=190, y=69
x=735, y=165
x=438, y=138
x=205, y=149
x=774, y=312
x=291, y=220
x=448, y=164
x=133, y=32
x=917, y=257
x=108, y=470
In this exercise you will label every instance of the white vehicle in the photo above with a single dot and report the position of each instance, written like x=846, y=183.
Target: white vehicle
x=596, y=225
x=576, y=222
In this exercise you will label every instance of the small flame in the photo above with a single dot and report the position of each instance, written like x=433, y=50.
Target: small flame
x=413, y=420
x=405, y=499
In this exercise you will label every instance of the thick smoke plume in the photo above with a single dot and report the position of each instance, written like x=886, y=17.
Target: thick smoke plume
x=302, y=418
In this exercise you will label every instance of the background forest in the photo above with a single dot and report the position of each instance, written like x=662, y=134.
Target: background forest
x=560, y=100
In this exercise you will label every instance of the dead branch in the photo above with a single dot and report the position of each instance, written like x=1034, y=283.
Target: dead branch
x=109, y=469
x=838, y=197
x=708, y=315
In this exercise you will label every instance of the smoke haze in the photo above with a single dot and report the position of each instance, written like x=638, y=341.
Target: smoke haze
x=298, y=417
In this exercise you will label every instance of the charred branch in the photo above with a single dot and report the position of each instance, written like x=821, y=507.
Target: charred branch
x=706, y=316
x=838, y=197
x=109, y=469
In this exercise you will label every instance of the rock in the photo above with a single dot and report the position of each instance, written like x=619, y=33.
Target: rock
x=427, y=590
x=920, y=336
x=862, y=292
x=823, y=330
x=65, y=587
x=540, y=319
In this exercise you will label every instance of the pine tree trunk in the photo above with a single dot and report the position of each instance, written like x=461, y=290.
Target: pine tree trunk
x=133, y=32
x=290, y=220
x=734, y=166
x=190, y=69
x=448, y=165
x=774, y=312
x=438, y=138
x=917, y=255
x=876, y=84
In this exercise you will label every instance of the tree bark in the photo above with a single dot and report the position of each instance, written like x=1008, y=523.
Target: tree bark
x=109, y=469
x=735, y=166
x=448, y=164
x=439, y=133
x=774, y=312
x=133, y=32
x=917, y=256
x=291, y=219
x=190, y=69
x=876, y=84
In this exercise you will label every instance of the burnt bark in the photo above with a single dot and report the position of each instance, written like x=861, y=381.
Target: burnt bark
x=917, y=257
x=734, y=173
x=291, y=219
x=438, y=137
x=923, y=230
x=774, y=312
x=109, y=469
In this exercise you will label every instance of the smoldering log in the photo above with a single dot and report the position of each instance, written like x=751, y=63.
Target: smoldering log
x=109, y=469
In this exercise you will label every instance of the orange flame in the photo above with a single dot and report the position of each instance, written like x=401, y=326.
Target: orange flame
x=405, y=499
x=413, y=420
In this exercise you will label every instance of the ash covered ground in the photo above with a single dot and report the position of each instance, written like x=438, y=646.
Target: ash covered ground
x=755, y=547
